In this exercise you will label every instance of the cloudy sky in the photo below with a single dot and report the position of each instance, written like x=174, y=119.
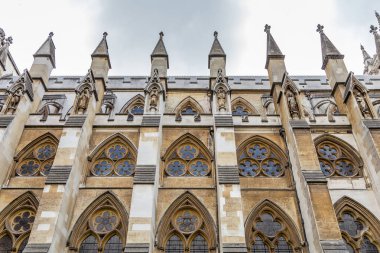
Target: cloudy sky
x=133, y=28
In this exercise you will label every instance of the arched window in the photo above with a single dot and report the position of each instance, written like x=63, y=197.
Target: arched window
x=134, y=106
x=358, y=226
x=188, y=107
x=259, y=157
x=337, y=158
x=16, y=222
x=241, y=107
x=37, y=157
x=101, y=227
x=270, y=230
x=114, y=157
x=186, y=226
x=187, y=157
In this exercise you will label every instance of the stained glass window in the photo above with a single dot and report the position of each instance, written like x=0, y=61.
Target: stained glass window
x=283, y=246
x=137, y=110
x=350, y=225
x=368, y=247
x=267, y=225
x=188, y=111
x=113, y=245
x=198, y=168
x=174, y=245
x=114, y=160
x=187, y=222
x=187, y=152
x=22, y=221
x=89, y=245
x=105, y=221
x=333, y=160
x=259, y=159
x=176, y=168
x=5, y=244
x=259, y=246
x=199, y=245
x=23, y=245
x=239, y=111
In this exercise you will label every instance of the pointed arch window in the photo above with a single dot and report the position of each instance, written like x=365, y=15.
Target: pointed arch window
x=258, y=158
x=336, y=160
x=36, y=158
x=89, y=245
x=135, y=106
x=259, y=246
x=241, y=107
x=117, y=158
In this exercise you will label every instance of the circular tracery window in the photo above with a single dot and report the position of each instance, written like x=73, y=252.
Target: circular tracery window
x=104, y=221
x=187, y=221
x=22, y=221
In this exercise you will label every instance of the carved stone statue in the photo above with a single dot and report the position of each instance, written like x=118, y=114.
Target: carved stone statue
x=83, y=100
x=362, y=105
x=221, y=99
x=14, y=100
x=153, y=99
x=292, y=105
x=331, y=110
x=308, y=113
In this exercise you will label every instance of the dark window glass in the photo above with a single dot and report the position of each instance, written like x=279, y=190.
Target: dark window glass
x=349, y=247
x=248, y=168
x=89, y=245
x=137, y=110
x=5, y=244
x=174, y=245
x=188, y=111
x=113, y=245
x=283, y=246
x=259, y=246
x=350, y=225
x=23, y=245
x=239, y=111
x=267, y=225
x=368, y=247
x=199, y=245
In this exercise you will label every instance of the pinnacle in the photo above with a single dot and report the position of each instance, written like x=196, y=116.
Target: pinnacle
x=273, y=51
x=329, y=51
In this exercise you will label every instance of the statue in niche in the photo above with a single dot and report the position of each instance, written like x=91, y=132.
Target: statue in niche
x=221, y=99
x=14, y=100
x=292, y=105
x=83, y=100
x=153, y=99
x=362, y=105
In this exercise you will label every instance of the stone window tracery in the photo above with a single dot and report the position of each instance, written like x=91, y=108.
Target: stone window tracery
x=260, y=159
x=114, y=159
x=37, y=158
x=241, y=107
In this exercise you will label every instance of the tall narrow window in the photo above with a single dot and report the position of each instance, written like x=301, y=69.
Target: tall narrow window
x=283, y=246
x=5, y=244
x=113, y=245
x=368, y=247
x=89, y=245
x=259, y=246
x=199, y=245
x=174, y=245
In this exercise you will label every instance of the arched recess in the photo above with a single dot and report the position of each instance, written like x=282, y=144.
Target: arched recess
x=273, y=226
x=36, y=158
x=259, y=156
x=116, y=155
x=200, y=223
x=188, y=156
x=16, y=221
x=50, y=107
x=241, y=107
x=359, y=227
x=103, y=219
x=134, y=106
x=337, y=157
x=188, y=106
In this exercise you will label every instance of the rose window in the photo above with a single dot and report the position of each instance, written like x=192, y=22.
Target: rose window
x=22, y=221
x=259, y=159
x=105, y=221
x=187, y=221
x=334, y=161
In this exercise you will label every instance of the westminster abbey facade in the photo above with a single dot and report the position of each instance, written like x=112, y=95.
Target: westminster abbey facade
x=190, y=164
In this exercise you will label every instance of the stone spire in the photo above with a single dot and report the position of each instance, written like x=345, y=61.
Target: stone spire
x=102, y=50
x=47, y=50
x=159, y=58
x=329, y=51
x=160, y=49
x=373, y=30
x=273, y=51
x=216, y=49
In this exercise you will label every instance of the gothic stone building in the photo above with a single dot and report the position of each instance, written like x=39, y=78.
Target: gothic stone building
x=189, y=164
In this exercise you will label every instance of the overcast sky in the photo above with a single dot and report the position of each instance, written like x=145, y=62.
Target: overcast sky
x=133, y=28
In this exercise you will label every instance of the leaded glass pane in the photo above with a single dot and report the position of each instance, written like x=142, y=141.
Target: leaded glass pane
x=102, y=167
x=350, y=225
x=113, y=245
x=267, y=225
x=187, y=152
x=248, y=168
x=188, y=111
x=137, y=110
x=187, y=222
x=22, y=221
x=345, y=168
x=89, y=245
x=105, y=221
x=326, y=168
x=28, y=167
x=124, y=168
x=239, y=111
x=174, y=245
x=368, y=247
x=199, y=245
x=5, y=244
x=46, y=166
x=116, y=152
x=283, y=246
x=272, y=167
x=258, y=152
x=23, y=245
x=349, y=247
x=45, y=152
x=176, y=168
x=198, y=168
x=259, y=246
x=328, y=152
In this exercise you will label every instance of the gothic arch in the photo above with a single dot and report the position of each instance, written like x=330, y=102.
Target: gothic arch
x=188, y=101
x=288, y=84
x=288, y=229
x=269, y=106
x=239, y=101
x=320, y=104
x=343, y=150
x=371, y=228
x=206, y=228
x=45, y=109
x=82, y=229
x=127, y=107
x=26, y=203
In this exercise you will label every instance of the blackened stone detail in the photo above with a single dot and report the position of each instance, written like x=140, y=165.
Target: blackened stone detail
x=75, y=121
x=372, y=123
x=137, y=248
x=333, y=246
x=234, y=248
x=151, y=120
x=223, y=121
x=299, y=123
x=37, y=248
x=5, y=120
x=144, y=174
x=314, y=177
x=58, y=175
x=228, y=175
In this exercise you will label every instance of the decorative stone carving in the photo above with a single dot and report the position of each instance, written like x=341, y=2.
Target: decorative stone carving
x=154, y=91
x=292, y=105
x=108, y=102
x=363, y=106
x=153, y=99
x=84, y=92
x=14, y=100
x=221, y=96
x=83, y=99
x=331, y=110
x=308, y=113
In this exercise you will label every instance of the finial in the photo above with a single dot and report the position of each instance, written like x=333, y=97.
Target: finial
x=105, y=34
x=267, y=28
x=161, y=34
x=373, y=29
x=216, y=34
x=361, y=47
x=378, y=17
x=320, y=28
x=51, y=34
x=9, y=40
